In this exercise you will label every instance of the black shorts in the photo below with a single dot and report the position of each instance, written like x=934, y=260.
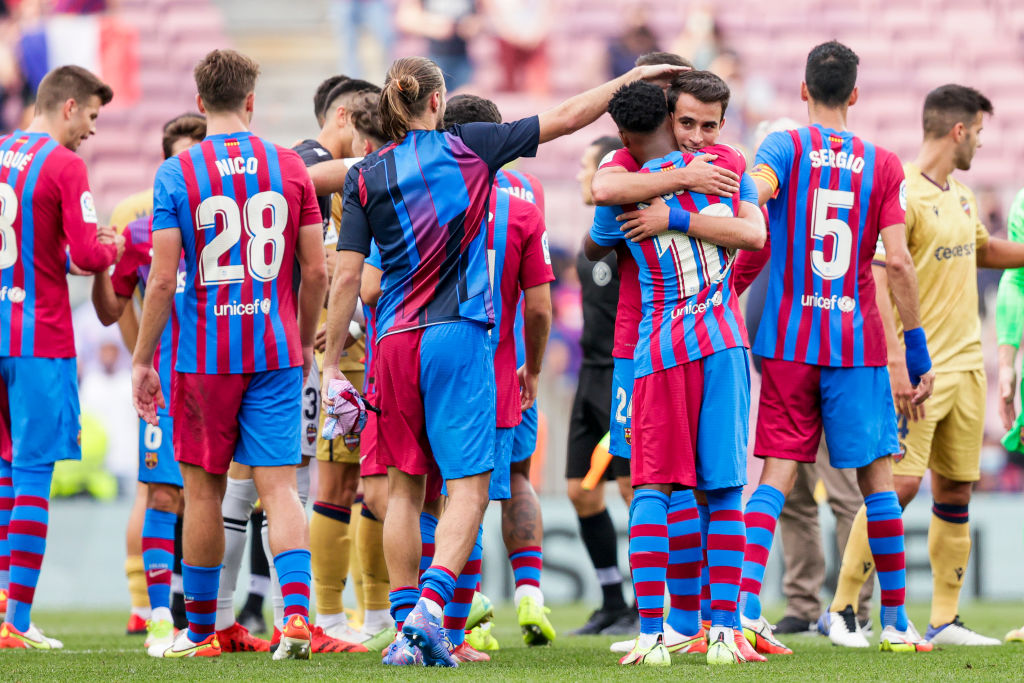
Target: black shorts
x=591, y=417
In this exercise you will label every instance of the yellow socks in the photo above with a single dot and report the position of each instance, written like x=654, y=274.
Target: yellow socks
x=329, y=546
x=949, y=546
x=135, y=570
x=370, y=540
x=858, y=563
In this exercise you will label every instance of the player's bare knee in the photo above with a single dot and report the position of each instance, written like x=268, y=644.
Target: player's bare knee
x=587, y=503
x=949, y=491
x=163, y=497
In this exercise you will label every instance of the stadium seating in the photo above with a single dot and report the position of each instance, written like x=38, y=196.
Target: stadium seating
x=906, y=46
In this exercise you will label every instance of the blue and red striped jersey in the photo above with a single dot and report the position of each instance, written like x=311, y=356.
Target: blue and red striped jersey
x=424, y=202
x=239, y=202
x=688, y=306
x=46, y=211
x=370, y=318
x=518, y=251
x=525, y=186
x=520, y=184
x=130, y=277
x=834, y=192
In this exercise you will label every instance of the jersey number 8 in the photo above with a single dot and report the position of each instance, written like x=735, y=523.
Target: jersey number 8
x=8, y=212
x=261, y=235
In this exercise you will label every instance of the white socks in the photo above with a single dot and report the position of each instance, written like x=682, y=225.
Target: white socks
x=239, y=498
x=529, y=591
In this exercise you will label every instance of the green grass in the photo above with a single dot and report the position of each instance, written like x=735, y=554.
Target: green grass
x=97, y=649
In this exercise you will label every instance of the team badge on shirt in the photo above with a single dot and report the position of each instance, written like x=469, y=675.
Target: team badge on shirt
x=628, y=433
x=965, y=205
x=151, y=460
x=310, y=433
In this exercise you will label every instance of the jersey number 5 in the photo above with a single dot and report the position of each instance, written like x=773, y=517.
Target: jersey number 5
x=261, y=236
x=823, y=226
x=8, y=212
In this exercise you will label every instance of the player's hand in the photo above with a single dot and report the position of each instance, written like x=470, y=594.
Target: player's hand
x=527, y=388
x=659, y=74
x=641, y=224
x=307, y=361
x=105, y=234
x=903, y=392
x=119, y=244
x=1007, y=393
x=705, y=178
x=320, y=343
x=75, y=270
x=924, y=388
x=146, y=394
x=330, y=372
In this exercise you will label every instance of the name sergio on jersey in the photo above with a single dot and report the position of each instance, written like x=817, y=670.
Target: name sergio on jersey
x=830, y=159
x=947, y=253
x=235, y=308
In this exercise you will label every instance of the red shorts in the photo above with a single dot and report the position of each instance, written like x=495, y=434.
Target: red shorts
x=666, y=415
x=369, y=466
x=252, y=418
x=853, y=405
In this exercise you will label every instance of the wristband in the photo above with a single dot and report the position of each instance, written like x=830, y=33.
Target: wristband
x=679, y=219
x=355, y=330
x=918, y=360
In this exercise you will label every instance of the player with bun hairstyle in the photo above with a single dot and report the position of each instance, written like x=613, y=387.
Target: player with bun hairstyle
x=423, y=198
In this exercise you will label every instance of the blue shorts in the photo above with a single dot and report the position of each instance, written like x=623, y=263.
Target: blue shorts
x=500, y=488
x=156, y=453
x=525, y=435
x=691, y=423
x=853, y=405
x=39, y=411
x=724, y=423
x=437, y=399
x=254, y=419
x=621, y=424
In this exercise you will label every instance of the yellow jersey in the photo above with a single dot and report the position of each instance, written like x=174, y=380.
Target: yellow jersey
x=352, y=357
x=944, y=233
x=132, y=208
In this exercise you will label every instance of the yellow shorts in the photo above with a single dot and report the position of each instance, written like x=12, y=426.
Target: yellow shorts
x=345, y=448
x=948, y=439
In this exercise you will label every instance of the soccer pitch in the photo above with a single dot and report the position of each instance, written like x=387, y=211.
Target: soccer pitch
x=97, y=649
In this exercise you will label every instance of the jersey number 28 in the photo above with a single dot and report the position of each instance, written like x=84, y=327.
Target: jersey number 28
x=261, y=236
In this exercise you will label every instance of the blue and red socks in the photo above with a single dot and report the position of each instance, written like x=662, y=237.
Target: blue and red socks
x=437, y=586
x=726, y=543
x=763, y=510
x=527, y=563
x=705, y=576
x=885, y=536
x=6, y=505
x=402, y=599
x=200, y=585
x=26, y=536
x=428, y=527
x=648, y=556
x=294, y=573
x=158, y=559
x=456, y=611
x=685, y=557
